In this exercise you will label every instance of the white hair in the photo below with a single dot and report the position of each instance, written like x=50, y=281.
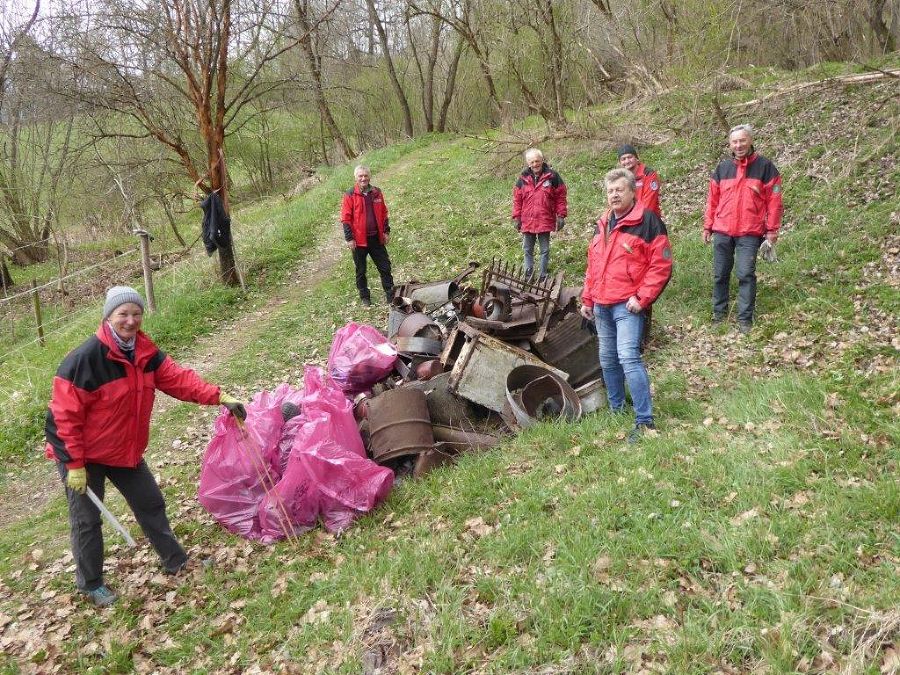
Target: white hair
x=362, y=167
x=533, y=152
x=746, y=128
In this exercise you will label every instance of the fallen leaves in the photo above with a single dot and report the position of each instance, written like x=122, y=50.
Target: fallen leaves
x=744, y=516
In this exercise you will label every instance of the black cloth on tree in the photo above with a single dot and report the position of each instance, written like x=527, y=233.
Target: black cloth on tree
x=216, y=224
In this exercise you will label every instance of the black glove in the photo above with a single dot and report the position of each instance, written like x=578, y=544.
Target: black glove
x=518, y=223
x=589, y=326
x=234, y=406
x=560, y=223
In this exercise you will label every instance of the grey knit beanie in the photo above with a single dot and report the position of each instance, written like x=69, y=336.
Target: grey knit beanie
x=119, y=295
x=626, y=150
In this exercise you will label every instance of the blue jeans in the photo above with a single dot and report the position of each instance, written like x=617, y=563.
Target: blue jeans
x=528, y=245
x=619, y=332
x=725, y=250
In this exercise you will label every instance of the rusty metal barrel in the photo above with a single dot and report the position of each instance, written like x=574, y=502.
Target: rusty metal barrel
x=399, y=424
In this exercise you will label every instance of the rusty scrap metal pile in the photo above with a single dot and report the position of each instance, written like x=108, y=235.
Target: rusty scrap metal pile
x=477, y=362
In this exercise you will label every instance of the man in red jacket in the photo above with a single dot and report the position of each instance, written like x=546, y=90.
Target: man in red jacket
x=629, y=265
x=743, y=207
x=364, y=216
x=539, y=208
x=646, y=179
x=98, y=425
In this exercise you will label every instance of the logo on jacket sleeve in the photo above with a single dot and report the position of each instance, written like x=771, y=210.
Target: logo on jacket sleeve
x=654, y=185
x=667, y=253
x=776, y=188
x=546, y=183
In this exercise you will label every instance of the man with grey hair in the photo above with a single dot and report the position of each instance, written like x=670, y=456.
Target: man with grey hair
x=539, y=207
x=364, y=216
x=629, y=265
x=743, y=207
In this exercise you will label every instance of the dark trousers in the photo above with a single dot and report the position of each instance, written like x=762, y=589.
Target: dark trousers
x=382, y=262
x=143, y=495
x=738, y=253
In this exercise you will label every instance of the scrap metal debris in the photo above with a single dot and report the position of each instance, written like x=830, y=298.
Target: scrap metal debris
x=477, y=361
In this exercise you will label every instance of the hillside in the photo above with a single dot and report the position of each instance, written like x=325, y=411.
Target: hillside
x=756, y=532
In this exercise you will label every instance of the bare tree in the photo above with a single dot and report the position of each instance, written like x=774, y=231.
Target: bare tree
x=35, y=146
x=307, y=23
x=427, y=57
x=164, y=63
x=471, y=19
x=392, y=71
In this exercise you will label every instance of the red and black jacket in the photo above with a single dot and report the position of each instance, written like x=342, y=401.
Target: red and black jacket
x=744, y=197
x=353, y=214
x=647, y=188
x=634, y=259
x=539, y=200
x=101, y=402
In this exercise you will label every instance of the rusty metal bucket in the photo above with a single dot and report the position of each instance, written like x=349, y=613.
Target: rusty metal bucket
x=536, y=393
x=399, y=424
x=418, y=324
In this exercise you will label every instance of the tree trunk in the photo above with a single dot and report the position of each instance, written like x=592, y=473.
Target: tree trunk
x=315, y=69
x=450, y=89
x=392, y=72
x=875, y=17
x=5, y=276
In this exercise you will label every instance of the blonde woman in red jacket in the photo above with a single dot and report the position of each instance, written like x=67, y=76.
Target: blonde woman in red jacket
x=97, y=428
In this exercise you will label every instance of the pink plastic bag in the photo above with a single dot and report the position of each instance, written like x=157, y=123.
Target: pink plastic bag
x=360, y=356
x=323, y=480
x=237, y=469
x=279, y=477
x=321, y=396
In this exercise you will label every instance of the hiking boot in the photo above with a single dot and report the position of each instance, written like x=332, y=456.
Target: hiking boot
x=718, y=318
x=638, y=432
x=744, y=327
x=191, y=565
x=365, y=302
x=101, y=597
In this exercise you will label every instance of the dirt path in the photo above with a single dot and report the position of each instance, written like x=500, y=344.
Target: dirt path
x=33, y=488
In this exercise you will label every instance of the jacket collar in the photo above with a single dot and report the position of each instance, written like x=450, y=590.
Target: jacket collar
x=143, y=346
x=545, y=169
x=633, y=217
x=746, y=160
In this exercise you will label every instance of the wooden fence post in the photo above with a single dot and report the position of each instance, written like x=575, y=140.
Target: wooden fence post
x=148, y=272
x=3, y=273
x=36, y=297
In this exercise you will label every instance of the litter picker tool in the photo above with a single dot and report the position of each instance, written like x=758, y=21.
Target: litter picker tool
x=110, y=518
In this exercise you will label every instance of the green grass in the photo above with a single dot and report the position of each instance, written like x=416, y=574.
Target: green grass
x=756, y=530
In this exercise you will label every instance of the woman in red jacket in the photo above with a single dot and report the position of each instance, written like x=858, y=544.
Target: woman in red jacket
x=539, y=208
x=98, y=425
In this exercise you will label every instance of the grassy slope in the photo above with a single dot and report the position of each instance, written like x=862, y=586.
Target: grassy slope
x=757, y=530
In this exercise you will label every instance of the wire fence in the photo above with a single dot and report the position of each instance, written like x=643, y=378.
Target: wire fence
x=66, y=309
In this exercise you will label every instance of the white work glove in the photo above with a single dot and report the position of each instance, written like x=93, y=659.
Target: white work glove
x=767, y=251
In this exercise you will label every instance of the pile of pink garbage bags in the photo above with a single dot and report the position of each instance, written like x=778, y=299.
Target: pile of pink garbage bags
x=279, y=475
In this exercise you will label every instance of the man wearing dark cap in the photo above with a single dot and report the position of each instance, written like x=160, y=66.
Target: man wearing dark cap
x=646, y=194
x=646, y=179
